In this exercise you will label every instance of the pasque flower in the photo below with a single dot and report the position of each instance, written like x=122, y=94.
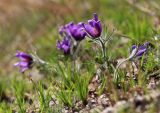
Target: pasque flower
x=93, y=27
x=73, y=30
x=140, y=51
x=25, y=62
x=64, y=45
x=64, y=30
x=77, y=31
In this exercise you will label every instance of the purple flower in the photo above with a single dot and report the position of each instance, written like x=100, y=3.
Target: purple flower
x=77, y=31
x=64, y=30
x=93, y=28
x=141, y=50
x=73, y=30
x=25, y=62
x=65, y=45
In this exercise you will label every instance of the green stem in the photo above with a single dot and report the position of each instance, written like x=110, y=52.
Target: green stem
x=116, y=77
x=104, y=52
x=103, y=49
x=104, y=56
x=74, y=57
x=76, y=51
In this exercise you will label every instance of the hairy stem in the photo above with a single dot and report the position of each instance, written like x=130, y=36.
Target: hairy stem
x=104, y=56
x=74, y=57
x=116, y=77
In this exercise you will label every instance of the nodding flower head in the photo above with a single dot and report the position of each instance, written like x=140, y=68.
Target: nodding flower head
x=64, y=45
x=140, y=51
x=25, y=61
x=77, y=31
x=93, y=27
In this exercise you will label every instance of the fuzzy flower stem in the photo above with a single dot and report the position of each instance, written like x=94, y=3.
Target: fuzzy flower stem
x=117, y=67
x=104, y=52
x=74, y=57
x=76, y=52
x=103, y=47
x=39, y=60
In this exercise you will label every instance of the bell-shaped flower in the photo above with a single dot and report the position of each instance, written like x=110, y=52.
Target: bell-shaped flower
x=77, y=31
x=93, y=27
x=25, y=61
x=139, y=51
x=64, y=45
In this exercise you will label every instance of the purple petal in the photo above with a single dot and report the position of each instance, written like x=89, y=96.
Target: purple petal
x=93, y=27
x=61, y=30
x=25, y=61
x=66, y=48
x=70, y=24
x=95, y=17
x=91, y=30
x=65, y=41
x=142, y=47
x=133, y=47
x=98, y=27
x=24, y=64
x=80, y=24
x=58, y=44
x=141, y=52
x=92, y=22
x=23, y=56
x=23, y=69
x=77, y=32
x=64, y=45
